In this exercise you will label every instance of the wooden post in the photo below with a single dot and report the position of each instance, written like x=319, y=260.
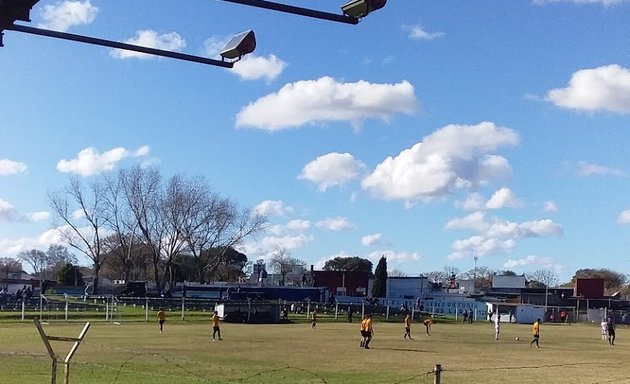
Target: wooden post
x=438, y=374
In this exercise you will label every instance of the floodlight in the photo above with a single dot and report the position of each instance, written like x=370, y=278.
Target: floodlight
x=361, y=8
x=239, y=45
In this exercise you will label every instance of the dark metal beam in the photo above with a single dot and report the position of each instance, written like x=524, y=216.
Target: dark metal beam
x=297, y=10
x=118, y=45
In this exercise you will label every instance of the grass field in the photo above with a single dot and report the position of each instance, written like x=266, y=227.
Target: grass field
x=135, y=352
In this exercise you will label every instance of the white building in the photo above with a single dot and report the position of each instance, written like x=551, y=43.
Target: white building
x=405, y=291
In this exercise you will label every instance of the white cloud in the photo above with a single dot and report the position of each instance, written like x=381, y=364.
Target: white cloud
x=9, y=213
x=319, y=264
x=453, y=157
x=89, y=161
x=604, y=88
x=272, y=208
x=480, y=246
x=393, y=256
x=9, y=167
x=503, y=197
x=585, y=168
x=550, y=206
x=331, y=169
x=475, y=221
x=335, y=224
x=147, y=38
x=327, y=100
x=269, y=245
x=537, y=262
x=623, y=218
x=416, y=32
x=63, y=15
x=37, y=216
x=257, y=67
x=298, y=225
x=370, y=240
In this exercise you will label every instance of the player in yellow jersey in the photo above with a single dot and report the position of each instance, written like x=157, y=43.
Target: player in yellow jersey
x=369, y=331
x=161, y=316
x=407, y=327
x=216, y=330
x=536, y=333
x=363, y=330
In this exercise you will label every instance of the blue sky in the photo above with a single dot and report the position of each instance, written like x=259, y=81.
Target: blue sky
x=432, y=132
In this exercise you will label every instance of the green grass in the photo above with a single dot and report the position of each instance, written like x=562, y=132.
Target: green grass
x=134, y=352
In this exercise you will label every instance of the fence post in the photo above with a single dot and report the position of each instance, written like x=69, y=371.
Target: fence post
x=336, y=310
x=387, y=312
x=183, y=307
x=66, y=309
x=23, y=307
x=363, y=309
x=146, y=309
x=438, y=374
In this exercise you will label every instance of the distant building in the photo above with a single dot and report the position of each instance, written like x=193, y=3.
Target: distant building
x=405, y=291
x=342, y=283
x=589, y=288
x=508, y=281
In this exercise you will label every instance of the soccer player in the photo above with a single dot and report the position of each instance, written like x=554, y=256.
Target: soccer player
x=216, y=331
x=161, y=316
x=314, y=319
x=610, y=328
x=407, y=327
x=363, y=330
x=497, y=325
x=427, y=325
x=604, y=326
x=369, y=331
x=536, y=333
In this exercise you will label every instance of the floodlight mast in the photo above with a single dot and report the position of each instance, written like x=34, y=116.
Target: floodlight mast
x=118, y=45
x=297, y=10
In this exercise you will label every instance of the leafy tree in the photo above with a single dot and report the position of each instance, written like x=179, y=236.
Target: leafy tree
x=612, y=279
x=507, y=272
x=69, y=275
x=349, y=264
x=379, y=288
x=9, y=265
x=231, y=266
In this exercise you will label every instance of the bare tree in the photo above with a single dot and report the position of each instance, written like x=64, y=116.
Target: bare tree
x=396, y=273
x=545, y=277
x=213, y=226
x=142, y=191
x=37, y=259
x=284, y=264
x=80, y=218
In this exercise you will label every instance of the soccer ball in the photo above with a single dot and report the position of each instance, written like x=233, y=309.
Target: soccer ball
x=516, y=338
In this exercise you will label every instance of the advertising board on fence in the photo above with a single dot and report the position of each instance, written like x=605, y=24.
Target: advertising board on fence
x=452, y=306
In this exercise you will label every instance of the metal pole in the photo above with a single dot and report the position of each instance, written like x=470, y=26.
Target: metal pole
x=115, y=44
x=183, y=307
x=336, y=310
x=23, y=308
x=66, y=310
x=387, y=312
x=438, y=374
x=146, y=309
x=297, y=11
x=363, y=309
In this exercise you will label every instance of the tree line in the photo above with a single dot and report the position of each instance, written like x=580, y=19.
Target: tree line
x=135, y=223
